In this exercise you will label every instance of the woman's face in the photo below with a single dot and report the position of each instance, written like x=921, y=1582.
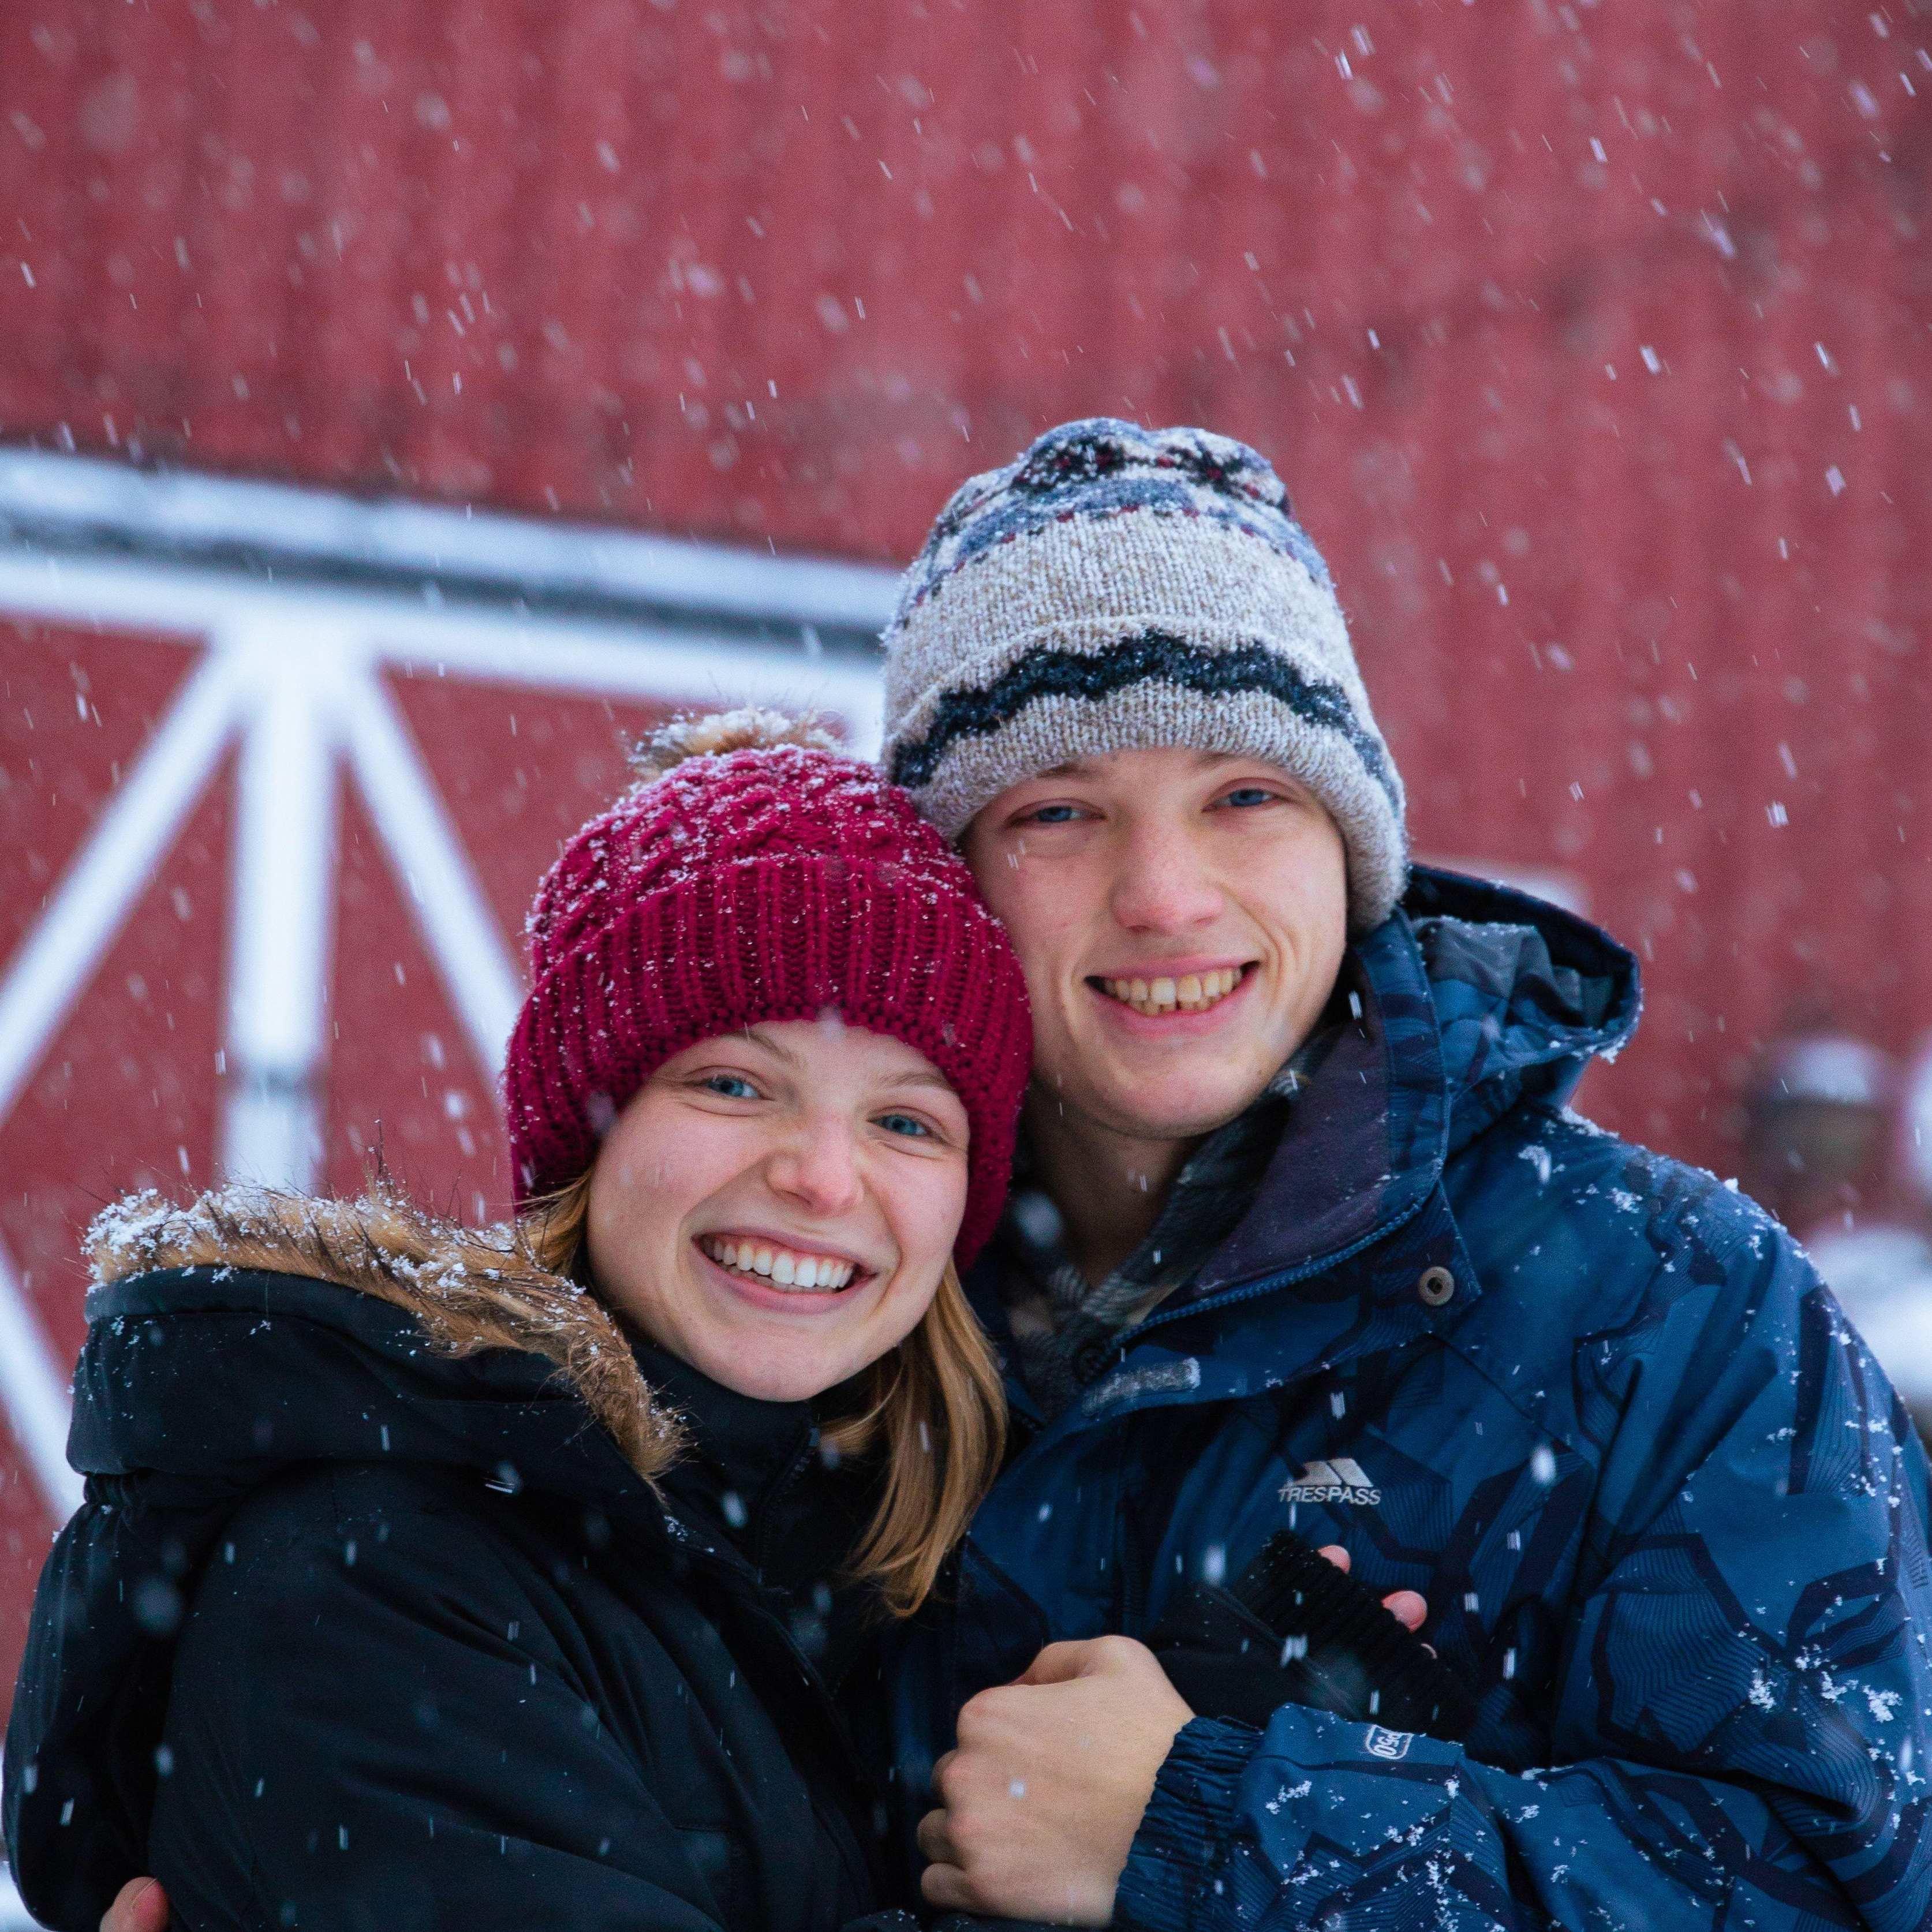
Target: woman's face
x=776, y=1207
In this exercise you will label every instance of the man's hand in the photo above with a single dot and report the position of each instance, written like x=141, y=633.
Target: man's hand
x=140, y=1906
x=1040, y=1802
x=1045, y=1793
x=1408, y=1607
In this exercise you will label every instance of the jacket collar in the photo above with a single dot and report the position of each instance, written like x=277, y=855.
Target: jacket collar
x=742, y=1458
x=1363, y=1143
x=1471, y=995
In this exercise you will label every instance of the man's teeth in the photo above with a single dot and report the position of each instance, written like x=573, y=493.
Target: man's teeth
x=786, y=1266
x=1189, y=993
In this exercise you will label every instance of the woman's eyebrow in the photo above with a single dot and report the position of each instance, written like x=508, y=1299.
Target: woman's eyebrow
x=929, y=1078
x=758, y=1037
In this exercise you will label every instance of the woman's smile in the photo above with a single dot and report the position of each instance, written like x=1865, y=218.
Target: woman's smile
x=801, y=1270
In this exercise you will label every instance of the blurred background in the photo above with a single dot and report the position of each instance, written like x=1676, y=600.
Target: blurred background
x=402, y=400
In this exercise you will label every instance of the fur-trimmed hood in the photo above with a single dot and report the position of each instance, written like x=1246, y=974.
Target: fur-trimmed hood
x=467, y=1290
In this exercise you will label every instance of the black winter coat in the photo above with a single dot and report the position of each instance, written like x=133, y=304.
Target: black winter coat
x=430, y=1651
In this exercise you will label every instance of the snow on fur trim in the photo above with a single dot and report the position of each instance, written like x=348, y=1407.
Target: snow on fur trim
x=468, y=1288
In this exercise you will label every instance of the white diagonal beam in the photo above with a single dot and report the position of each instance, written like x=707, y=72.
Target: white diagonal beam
x=482, y=978
x=59, y=956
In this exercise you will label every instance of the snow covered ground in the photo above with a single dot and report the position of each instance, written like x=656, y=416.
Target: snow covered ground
x=12, y=1914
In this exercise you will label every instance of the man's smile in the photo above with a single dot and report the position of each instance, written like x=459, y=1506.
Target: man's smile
x=1172, y=993
x=1155, y=992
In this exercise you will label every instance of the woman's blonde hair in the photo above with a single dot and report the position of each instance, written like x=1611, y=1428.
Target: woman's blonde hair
x=934, y=1408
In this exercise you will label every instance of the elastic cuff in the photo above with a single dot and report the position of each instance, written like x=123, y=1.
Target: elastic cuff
x=1183, y=1831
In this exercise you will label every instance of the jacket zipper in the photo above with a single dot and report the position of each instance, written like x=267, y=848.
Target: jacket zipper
x=840, y=1753
x=788, y=1481
x=1232, y=1297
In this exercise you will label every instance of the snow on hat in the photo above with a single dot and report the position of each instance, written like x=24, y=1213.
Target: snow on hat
x=1114, y=588
x=754, y=873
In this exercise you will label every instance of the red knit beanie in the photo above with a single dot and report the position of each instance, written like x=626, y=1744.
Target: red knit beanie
x=755, y=874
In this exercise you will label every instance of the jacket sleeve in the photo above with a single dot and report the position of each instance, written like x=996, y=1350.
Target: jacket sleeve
x=1741, y=1732
x=370, y=1728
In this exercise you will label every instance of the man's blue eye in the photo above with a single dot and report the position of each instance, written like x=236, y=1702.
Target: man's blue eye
x=904, y=1123
x=731, y=1086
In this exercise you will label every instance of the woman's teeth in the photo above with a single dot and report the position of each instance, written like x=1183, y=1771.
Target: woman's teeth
x=786, y=1267
x=1190, y=993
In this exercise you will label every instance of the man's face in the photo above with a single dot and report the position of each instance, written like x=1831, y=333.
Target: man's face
x=1180, y=916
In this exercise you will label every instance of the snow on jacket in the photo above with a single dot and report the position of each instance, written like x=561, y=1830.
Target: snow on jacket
x=1670, y=1519
x=447, y=1659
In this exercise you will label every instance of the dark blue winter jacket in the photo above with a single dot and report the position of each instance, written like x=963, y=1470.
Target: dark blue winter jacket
x=1668, y=1516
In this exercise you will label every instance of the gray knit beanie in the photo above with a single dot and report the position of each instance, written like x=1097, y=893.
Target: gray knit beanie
x=1116, y=589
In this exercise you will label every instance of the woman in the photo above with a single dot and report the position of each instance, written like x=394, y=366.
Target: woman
x=433, y=1577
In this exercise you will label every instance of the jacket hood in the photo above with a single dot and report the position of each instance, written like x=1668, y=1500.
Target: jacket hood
x=253, y=1328
x=1525, y=994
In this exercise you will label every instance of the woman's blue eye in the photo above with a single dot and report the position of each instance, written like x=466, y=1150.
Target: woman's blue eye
x=1054, y=814
x=904, y=1123
x=1246, y=795
x=733, y=1086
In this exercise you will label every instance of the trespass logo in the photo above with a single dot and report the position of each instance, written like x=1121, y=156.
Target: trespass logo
x=1342, y=1481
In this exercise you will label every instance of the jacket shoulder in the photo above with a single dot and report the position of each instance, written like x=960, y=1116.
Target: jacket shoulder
x=1603, y=1264
x=373, y=1539
x=1549, y=1197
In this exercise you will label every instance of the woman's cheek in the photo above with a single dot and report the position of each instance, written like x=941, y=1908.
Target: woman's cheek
x=931, y=1207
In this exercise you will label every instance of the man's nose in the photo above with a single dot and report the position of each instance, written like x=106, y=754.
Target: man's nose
x=818, y=1167
x=1162, y=886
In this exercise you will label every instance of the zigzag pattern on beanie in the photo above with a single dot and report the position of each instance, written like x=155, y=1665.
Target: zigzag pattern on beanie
x=1115, y=588
x=1153, y=654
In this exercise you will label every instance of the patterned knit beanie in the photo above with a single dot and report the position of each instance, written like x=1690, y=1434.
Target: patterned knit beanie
x=1116, y=589
x=755, y=874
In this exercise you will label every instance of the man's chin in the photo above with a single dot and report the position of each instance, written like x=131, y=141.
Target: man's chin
x=1166, y=1110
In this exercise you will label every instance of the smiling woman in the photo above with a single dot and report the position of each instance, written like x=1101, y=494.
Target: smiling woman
x=777, y=1204
x=625, y=1490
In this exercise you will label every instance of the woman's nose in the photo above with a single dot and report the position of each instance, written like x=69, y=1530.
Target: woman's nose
x=818, y=1168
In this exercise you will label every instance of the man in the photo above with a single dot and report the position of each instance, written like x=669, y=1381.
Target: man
x=1302, y=1205
x=1304, y=1197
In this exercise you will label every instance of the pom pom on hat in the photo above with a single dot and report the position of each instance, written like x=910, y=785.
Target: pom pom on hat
x=751, y=729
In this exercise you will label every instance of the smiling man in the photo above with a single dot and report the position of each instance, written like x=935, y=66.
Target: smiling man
x=1305, y=1238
